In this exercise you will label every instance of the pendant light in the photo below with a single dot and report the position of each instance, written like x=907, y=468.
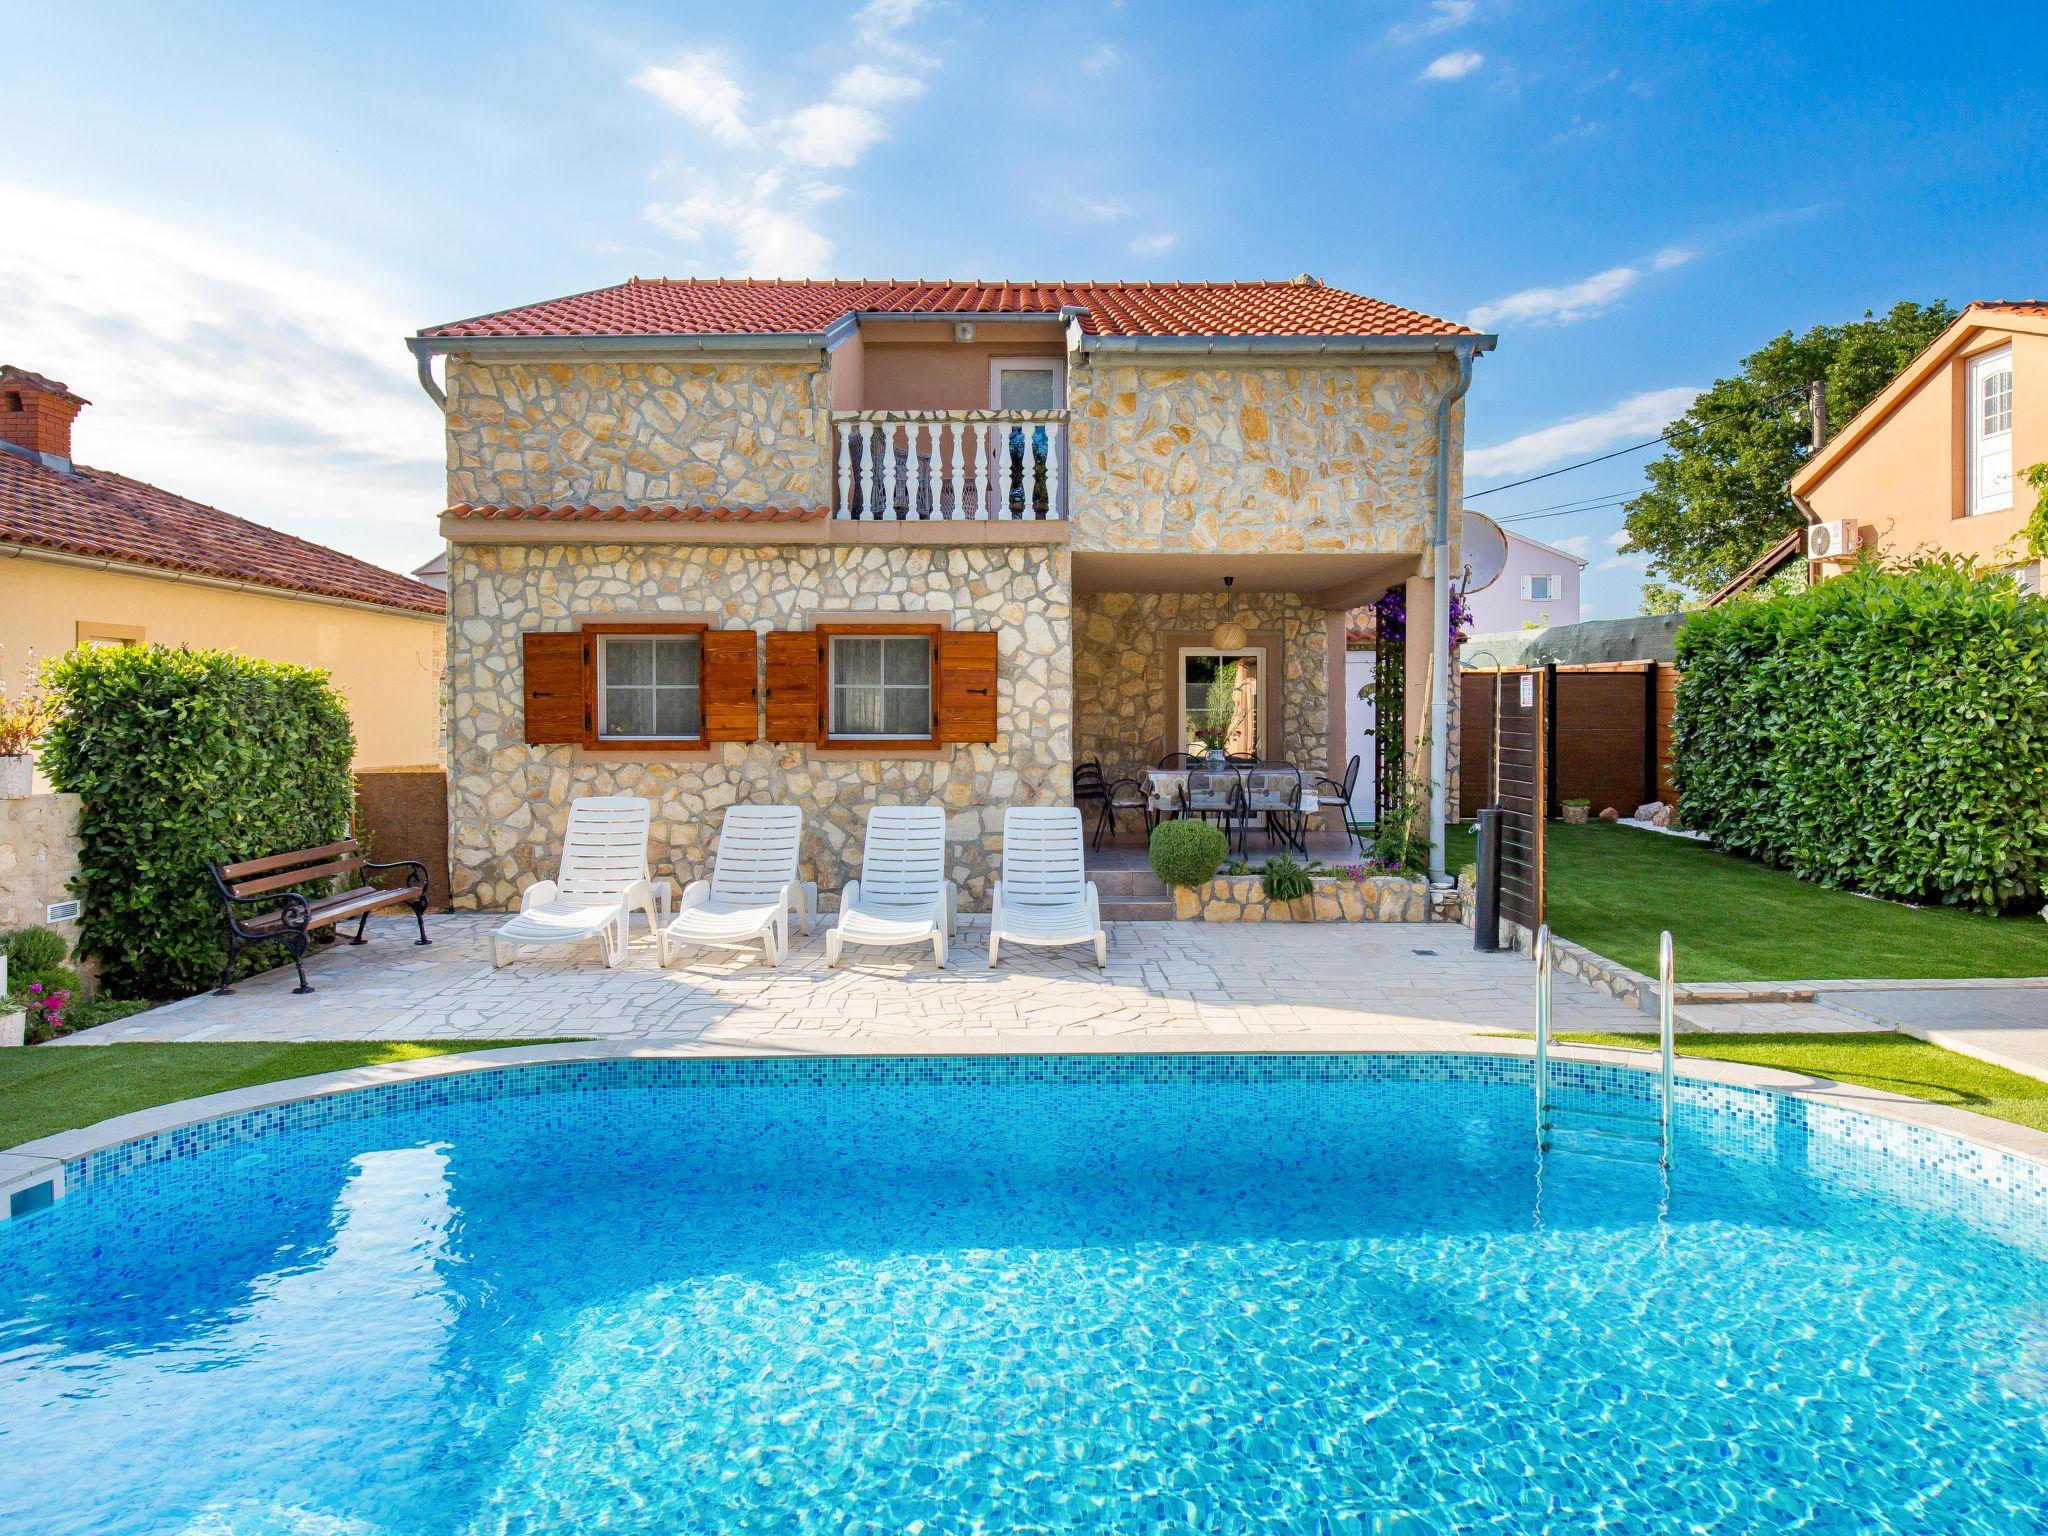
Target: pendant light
x=1229, y=635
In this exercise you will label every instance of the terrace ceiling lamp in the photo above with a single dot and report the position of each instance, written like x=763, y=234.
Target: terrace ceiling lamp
x=1229, y=635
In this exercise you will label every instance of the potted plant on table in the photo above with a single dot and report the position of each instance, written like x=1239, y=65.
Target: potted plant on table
x=25, y=713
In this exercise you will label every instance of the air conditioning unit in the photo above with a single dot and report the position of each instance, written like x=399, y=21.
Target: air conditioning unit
x=1834, y=540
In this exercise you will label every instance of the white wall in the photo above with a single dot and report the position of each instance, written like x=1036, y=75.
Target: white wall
x=1501, y=608
x=1358, y=727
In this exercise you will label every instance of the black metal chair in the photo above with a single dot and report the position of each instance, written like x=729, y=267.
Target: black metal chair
x=1241, y=760
x=1335, y=795
x=1091, y=787
x=1174, y=760
x=1120, y=795
x=1277, y=794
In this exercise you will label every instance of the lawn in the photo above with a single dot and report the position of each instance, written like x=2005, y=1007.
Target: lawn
x=1896, y=1063
x=1613, y=889
x=46, y=1089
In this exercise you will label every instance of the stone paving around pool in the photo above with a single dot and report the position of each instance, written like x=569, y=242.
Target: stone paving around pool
x=1383, y=986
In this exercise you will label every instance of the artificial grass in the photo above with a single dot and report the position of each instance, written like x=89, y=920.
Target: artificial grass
x=1896, y=1063
x=1613, y=889
x=46, y=1089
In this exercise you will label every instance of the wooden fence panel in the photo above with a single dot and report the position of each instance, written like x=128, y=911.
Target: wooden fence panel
x=1599, y=736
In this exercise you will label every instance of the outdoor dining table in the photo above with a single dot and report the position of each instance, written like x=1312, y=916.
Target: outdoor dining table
x=1164, y=787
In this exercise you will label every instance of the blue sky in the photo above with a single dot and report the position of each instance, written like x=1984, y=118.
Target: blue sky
x=222, y=219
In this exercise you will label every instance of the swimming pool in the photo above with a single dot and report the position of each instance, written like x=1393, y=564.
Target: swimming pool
x=1125, y=1294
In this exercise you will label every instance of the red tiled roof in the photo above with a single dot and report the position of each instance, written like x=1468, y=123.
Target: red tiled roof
x=106, y=516
x=2015, y=306
x=754, y=306
x=650, y=514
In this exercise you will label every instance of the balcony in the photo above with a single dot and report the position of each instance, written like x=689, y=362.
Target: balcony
x=949, y=466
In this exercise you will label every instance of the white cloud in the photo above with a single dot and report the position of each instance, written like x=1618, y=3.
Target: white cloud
x=1104, y=208
x=1573, y=544
x=756, y=205
x=1581, y=300
x=1094, y=63
x=1635, y=419
x=698, y=88
x=1441, y=17
x=1453, y=66
x=270, y=385
x=1155, y=245
x=1640, y=564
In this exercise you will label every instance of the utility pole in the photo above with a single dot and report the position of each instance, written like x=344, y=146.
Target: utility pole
x=1817, y=408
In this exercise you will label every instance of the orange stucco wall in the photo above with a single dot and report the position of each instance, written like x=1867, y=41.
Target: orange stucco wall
x=1904, y=483
x=385, y=664
x=900, y=365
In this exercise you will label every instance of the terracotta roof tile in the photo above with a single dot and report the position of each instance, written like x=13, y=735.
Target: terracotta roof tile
x=737, y=306
x=94, y=513
x=9, y=374
x=648, y=514
x=2015, y=306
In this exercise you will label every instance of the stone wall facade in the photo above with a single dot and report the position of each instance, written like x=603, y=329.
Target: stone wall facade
x=1125, y=715
x=729, y=433
x=39, y=851
x=1273, y=459
x=508, y=801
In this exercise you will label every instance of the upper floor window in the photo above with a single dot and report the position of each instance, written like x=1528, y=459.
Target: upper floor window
x=1990, y=457
x=1541, y=589
x=648, y=687
x=1025, y=384
x=879, y=686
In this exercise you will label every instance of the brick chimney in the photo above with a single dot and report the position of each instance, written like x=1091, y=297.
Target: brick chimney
x=36, y=415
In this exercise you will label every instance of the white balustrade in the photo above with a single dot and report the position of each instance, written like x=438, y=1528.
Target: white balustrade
x=949, y=465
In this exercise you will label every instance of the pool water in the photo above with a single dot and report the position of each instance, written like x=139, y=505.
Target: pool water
x=1202, y=1296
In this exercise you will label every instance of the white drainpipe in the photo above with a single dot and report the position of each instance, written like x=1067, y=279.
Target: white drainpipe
x=1440, y=673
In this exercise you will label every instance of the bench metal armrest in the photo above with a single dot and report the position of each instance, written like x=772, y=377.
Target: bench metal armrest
x=412, y=868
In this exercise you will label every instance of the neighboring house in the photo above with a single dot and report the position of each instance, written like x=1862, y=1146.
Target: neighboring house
x=841, y=543
x=1538, y=587
x=88, y=557
x=1935, y=461
x=434, y=573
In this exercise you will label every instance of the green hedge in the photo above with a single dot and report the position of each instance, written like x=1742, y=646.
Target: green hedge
x=1885, y=732
x=185, y=758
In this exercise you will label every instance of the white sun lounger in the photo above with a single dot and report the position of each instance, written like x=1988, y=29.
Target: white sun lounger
x=1045, y=896
x=752, y=888
x=602, y=878
x=903, y=895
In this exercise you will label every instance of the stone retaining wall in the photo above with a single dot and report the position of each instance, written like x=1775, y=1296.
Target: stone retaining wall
x=1239, y=899
x=39, y=853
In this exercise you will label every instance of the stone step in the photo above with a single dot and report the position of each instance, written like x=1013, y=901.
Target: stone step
x=1137, y=911
x=1129, y=885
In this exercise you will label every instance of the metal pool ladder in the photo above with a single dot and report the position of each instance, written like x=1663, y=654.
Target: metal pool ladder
x=1602, y=1131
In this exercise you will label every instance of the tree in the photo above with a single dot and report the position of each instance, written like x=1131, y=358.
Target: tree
x=1717, y=497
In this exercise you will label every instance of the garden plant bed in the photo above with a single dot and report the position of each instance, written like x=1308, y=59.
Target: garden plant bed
x=1241, y=899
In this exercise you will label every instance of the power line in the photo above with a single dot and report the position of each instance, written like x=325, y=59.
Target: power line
x=1633, y=448
x=1539, y=517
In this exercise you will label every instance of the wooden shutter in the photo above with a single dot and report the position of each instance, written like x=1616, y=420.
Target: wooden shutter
x=966, y=677
x=794, y=658
x=730, y=683
x=554, y=687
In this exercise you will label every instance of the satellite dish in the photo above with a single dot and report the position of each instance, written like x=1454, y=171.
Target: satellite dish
x=1486, y=551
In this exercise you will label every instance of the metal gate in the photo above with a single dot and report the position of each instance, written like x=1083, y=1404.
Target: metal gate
x=1519, y=773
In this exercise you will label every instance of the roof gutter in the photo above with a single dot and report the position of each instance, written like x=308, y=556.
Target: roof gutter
x=13, y=551
x=795, y=346
x=1303, y=346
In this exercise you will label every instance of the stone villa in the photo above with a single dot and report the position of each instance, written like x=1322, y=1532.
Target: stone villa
x=842, y=542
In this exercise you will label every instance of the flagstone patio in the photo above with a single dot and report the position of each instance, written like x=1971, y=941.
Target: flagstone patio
x=1385, y=986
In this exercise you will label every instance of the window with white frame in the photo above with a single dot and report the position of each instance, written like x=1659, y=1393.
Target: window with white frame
x=1540, y=589
x=648, y=687
x=881, y=687
x=1990, y=460
x=1025, y=384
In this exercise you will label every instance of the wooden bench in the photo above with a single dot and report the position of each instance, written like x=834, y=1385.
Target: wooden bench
x=289, y=918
